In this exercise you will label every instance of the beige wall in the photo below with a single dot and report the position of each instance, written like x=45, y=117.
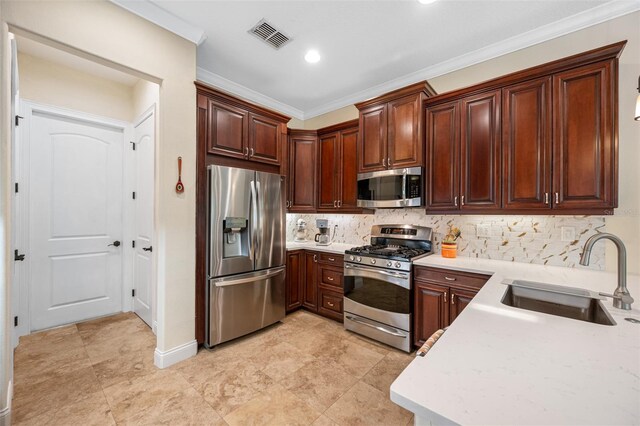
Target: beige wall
x=101, y=29
x=338, y=116
x=145, y=94
x=50, y=83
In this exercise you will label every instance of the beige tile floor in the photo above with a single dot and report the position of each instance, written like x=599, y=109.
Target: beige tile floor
x=306, y=370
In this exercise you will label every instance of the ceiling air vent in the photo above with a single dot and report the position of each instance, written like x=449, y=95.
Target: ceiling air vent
x=269, y=34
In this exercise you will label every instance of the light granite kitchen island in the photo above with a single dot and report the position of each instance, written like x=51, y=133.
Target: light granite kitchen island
x=498, y=364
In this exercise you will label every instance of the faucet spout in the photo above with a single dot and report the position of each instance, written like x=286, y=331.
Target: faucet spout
x=621, y=297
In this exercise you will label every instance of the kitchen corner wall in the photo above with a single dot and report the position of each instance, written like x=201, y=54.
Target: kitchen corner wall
x=527, y=239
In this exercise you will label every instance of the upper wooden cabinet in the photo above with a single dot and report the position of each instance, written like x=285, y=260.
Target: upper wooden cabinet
x=480, y=151
x=391, y=129
x=526, y=144
x=463, y=154
x=542, y=140
x=301, y=175
x=337, y=172
x=585, y=168
x=241, y=130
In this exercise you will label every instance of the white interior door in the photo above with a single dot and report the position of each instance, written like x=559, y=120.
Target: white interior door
x=75, y=209
x=144, y=292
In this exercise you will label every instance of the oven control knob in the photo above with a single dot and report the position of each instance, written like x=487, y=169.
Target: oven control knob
x=351, y=258
x=398, y=264
x=359, y=259
x=389, y=263
x=373, y=261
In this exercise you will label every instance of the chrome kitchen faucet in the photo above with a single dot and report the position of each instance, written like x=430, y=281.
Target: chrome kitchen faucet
x=621, y=297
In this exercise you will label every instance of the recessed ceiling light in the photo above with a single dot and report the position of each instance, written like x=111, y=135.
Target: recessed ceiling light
x=427, y=1
x=312, y=56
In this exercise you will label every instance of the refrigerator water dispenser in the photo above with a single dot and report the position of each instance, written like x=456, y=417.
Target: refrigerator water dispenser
x=235, y=239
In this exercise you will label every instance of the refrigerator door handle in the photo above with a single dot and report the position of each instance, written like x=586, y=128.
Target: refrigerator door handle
x=254, y=220
x=260, y=216
x=227, y=282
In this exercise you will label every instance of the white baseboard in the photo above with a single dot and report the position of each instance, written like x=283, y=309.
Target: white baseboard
x=164, y=359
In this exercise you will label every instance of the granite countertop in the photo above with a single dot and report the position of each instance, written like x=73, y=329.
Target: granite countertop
x=502, y=365
x=337, y=248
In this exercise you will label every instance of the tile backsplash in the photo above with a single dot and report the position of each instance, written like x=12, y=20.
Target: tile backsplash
x=528, y=239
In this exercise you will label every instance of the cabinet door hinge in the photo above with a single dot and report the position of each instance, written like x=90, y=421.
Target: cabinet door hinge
x=134, y=195
x=16, y=187
x=133, y=243
x=133, y=293
x=15, y=321
x=133, y=145
x=18, y=117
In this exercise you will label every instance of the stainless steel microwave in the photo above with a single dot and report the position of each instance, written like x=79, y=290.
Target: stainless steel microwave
x=390, y=188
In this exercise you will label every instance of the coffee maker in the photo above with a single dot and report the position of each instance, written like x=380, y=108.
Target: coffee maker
x=323, y=238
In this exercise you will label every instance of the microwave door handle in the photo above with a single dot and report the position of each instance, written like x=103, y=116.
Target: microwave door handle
x=404, y=187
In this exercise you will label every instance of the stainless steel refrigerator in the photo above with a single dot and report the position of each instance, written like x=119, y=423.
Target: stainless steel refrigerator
x=246, y=249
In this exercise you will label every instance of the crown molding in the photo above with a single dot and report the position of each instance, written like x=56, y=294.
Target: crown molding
x=244, y=92
x=594, y=16
x=159, y=16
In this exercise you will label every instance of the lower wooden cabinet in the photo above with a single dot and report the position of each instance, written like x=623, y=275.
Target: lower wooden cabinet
x=440, y=296
x=314, y=282
x=295, y=280
x=310, y=288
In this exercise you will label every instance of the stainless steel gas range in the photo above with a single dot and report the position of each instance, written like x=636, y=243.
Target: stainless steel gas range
x=377, y=283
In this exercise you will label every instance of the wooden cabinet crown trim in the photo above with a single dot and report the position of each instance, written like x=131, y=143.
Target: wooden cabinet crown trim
x=339, y=127
x=610, y=51
x=422, y=86
x=228, y=98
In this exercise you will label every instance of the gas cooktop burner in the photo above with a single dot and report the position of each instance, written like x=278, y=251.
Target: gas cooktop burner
x=388, y=252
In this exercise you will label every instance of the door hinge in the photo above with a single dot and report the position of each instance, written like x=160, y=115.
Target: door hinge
x=133, y=292
x=134, y=195
x=15, y=321
x=133, y=243
x=133, y=145
x=16, y=187
x=18, y=117
x=17, y=257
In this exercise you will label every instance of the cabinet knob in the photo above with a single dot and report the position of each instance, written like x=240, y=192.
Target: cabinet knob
x=462, y=201
x=335, y=204
x=315, y=257
x=246, y=152
x=330, y=278
x=546, y=198
x=450, y=278
x=339, y=203
x=557, y=198
x=331, y=259
x=389, y=161
x=445, y=297
x=455, y=201
x=330, y=304
x=453, y=299
x=251, y=152
x=384, y=162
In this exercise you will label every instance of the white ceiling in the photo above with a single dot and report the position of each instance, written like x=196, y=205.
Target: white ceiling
x=367, y=47
x=60, y=57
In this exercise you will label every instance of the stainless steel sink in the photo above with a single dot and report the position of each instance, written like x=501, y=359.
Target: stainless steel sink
x=568, y=302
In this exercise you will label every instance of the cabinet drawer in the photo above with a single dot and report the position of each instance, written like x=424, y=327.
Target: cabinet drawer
x=331, y=277
x=330, y=304
x=331, y=259
x=450, y=278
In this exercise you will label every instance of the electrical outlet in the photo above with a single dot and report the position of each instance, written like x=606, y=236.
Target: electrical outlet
x=567, y=233
x=483, y=230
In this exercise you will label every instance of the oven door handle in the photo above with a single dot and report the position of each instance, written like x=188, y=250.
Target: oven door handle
x=395, y=278
x=377, y=327
x=391, y=274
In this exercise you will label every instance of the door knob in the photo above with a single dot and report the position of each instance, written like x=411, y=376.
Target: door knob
x=150, y=248
x=115, y=243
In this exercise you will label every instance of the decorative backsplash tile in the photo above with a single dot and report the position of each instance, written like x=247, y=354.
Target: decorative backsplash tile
x=528, y=239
